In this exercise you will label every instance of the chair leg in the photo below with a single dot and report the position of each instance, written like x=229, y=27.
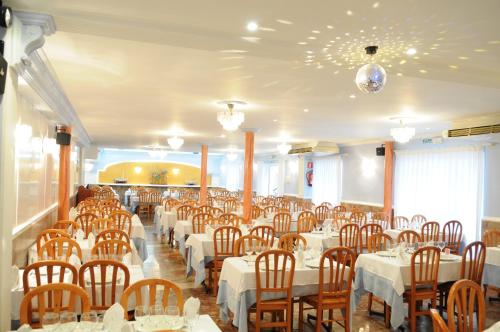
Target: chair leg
x=289, y=317
x=387, y=315
x=330, y=318
x=258, y=318
x=370, y=302
x=301, y=315
x=347, y=318
x=413, y=316
x=319, y=318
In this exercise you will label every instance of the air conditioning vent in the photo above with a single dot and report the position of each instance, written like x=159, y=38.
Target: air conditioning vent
x=482, y=130
x=318, y=148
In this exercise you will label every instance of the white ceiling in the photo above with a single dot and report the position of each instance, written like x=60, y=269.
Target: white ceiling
x=135, y=70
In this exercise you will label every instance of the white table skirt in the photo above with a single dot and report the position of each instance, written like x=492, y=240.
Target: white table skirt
x=327, y=241
x=237, y=289
x=491, y=273
x=388, y=278
x=17, y=294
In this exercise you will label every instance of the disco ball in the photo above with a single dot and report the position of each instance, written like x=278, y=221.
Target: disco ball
x=371, y=78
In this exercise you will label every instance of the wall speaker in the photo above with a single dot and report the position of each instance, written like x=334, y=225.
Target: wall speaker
x=380, y=151
x=3, y=74
x=63, y=135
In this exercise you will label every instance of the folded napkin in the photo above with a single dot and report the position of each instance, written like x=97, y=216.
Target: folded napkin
x=14, y=277
x=191, y=307
x=244, y=229
x=127, y=259
x=73, y=213
x=151, y=267
x=80, y=235
x=113, y=319
x=75, y=261
x=91, y=240
x=24, y=328
x=135, y=218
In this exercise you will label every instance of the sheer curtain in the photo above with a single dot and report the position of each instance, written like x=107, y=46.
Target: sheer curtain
x=262, y=176
x=327, y=180
x=441, y=184
x=234, y=175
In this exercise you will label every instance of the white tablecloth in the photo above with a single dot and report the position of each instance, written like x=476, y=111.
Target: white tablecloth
x=17, y=294
x=237, y=288
x=327, y=241
x=388, y=278
x=164, y=220
x=491, y=273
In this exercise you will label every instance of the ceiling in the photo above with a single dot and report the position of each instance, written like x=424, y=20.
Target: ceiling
x=137, y=71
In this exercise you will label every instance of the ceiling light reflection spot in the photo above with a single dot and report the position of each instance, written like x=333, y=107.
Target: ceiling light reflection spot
x=423, y=71
x=275, y=120
x=480, y=50
x=306, y=110
x=349, y=13
x=287, y=22
x=411, y=51
x=453, y=66
x=375, y=5
x=353, y=96
x=311, y=37
x=252, y=26
x=463, y=58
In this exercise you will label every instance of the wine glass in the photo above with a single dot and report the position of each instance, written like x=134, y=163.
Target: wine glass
x=50, y=321
x=88, y=321
x=173, y=316
x=68, y=320
x=441, y=245
x=156, y=312
x=141, y=315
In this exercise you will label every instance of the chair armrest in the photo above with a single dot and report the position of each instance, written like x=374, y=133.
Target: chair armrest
x=438, y=323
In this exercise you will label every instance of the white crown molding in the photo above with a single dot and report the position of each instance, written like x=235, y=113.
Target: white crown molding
x=31, y=63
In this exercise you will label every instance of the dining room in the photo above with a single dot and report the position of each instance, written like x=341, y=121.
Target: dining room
x=250, y=166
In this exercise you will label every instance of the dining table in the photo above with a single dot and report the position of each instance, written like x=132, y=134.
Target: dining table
x=317, y=239
x=238, y=290
x=388, y=275
x=491, y=273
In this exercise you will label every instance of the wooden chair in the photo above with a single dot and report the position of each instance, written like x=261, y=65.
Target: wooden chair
x=424, y=265
x=306, y=222
x=430, y=231
x=69, y=226
x=465, y=306
x=60, y=248
x=85, y=221
x=216, y=212
x=106, y=248
x=349, y=237
x=339, y=209
x=100, y=224
x=56, y=297
x=112, y=234
x=265, y=232
x=123, y=221
x=230, y=205
x=224, y=239
x=93, y=273
x=379, y=242
x=51, y=272
x=256, y=212
x=327, y=204
x=270, y=210
x=409, y=237
x=183, y=212
x=418, y=219
x=154, y=200
x=365, y=232
x=152, y=285
x=107, y=210
x=339, y=221
x=199, y=225
x=291, y=241
x=277, y=279
x=334, y=288
x=321, y=213
x=228, y=219
x=491, y=237
x=89, y=208
x=401, y=222
x=143, y=206
x=358, y=217
x=452, y=235
x=47, y=235
x=381, y=218
x=245, y=243
x=205, y=209
x=282, y=222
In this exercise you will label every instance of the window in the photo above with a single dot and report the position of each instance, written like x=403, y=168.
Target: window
x=327, y=180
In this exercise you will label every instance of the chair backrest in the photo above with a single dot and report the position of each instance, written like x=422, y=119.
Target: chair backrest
x=216, y=212
x=171, y=203
x=230, y=205
x=379, y=242
x=336, y=271
x=48, y=234
x=88, y=208
x=155, y=197
x=123, y=220
x=69, y=226
x=199, y=224
x=153, y=287
x=85, y=221
x=282, y=222
x=100, y=224
x=465, y=301
x=205, y=208
x=306, y=222
x=183, y=212
x=409, y=236
x=256, y=212
x=418, y=219
x=473, y=259
x=265, y=232
x=291, y=242
x=321, y=213
x=358, y=217
x=270, y=209
x=365, y=232
x=224, y=239
x=103, y=276
x=491, y=237
x=424, y=264
x=349, y=237
x=48, y=272
x=107, y=210
x=112, y=234
x=339, y=209
x=430, y=231
x=327, y=204
x=381, y=218
x=105, y=248
x=452, y=235
x=60, y=248
x=61, y=296
x=246, y=243
x=274, y=270
x=143, y=197
x=228, y=219
x=401, y=222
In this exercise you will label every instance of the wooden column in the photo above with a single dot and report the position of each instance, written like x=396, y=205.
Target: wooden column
x=203, y=180
x=388, y=178
x=64, y=178
x=247, y=182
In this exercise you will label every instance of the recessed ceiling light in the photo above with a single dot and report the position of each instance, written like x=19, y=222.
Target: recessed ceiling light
x=329, y=27
x=311, y=37
x=375, y=5
x=399, y=74
x=252, y=26
x=423, y=71
x=349, y=13
x=275, y=120
x=453, y=66
x=479, y=50
x=315, y=31
x=352, y=96
x=463, y=57
x=306, y=110
x=302, y=43
x=411, y=51
x=222, y=136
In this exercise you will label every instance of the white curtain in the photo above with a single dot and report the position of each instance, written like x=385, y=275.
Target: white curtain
x=234, y=175
x=327, y=180
x=442, y=184
x=262, y=176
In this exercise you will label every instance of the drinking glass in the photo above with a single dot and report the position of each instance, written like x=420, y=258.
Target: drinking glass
x=441, y=245
x=173, y=316
x=88, y=321
x=68, y=321
x=156, y=312
x=50, y=320
x=141, y=315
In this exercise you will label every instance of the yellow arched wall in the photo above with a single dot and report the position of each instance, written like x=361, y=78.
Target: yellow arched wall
x=127, y=170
